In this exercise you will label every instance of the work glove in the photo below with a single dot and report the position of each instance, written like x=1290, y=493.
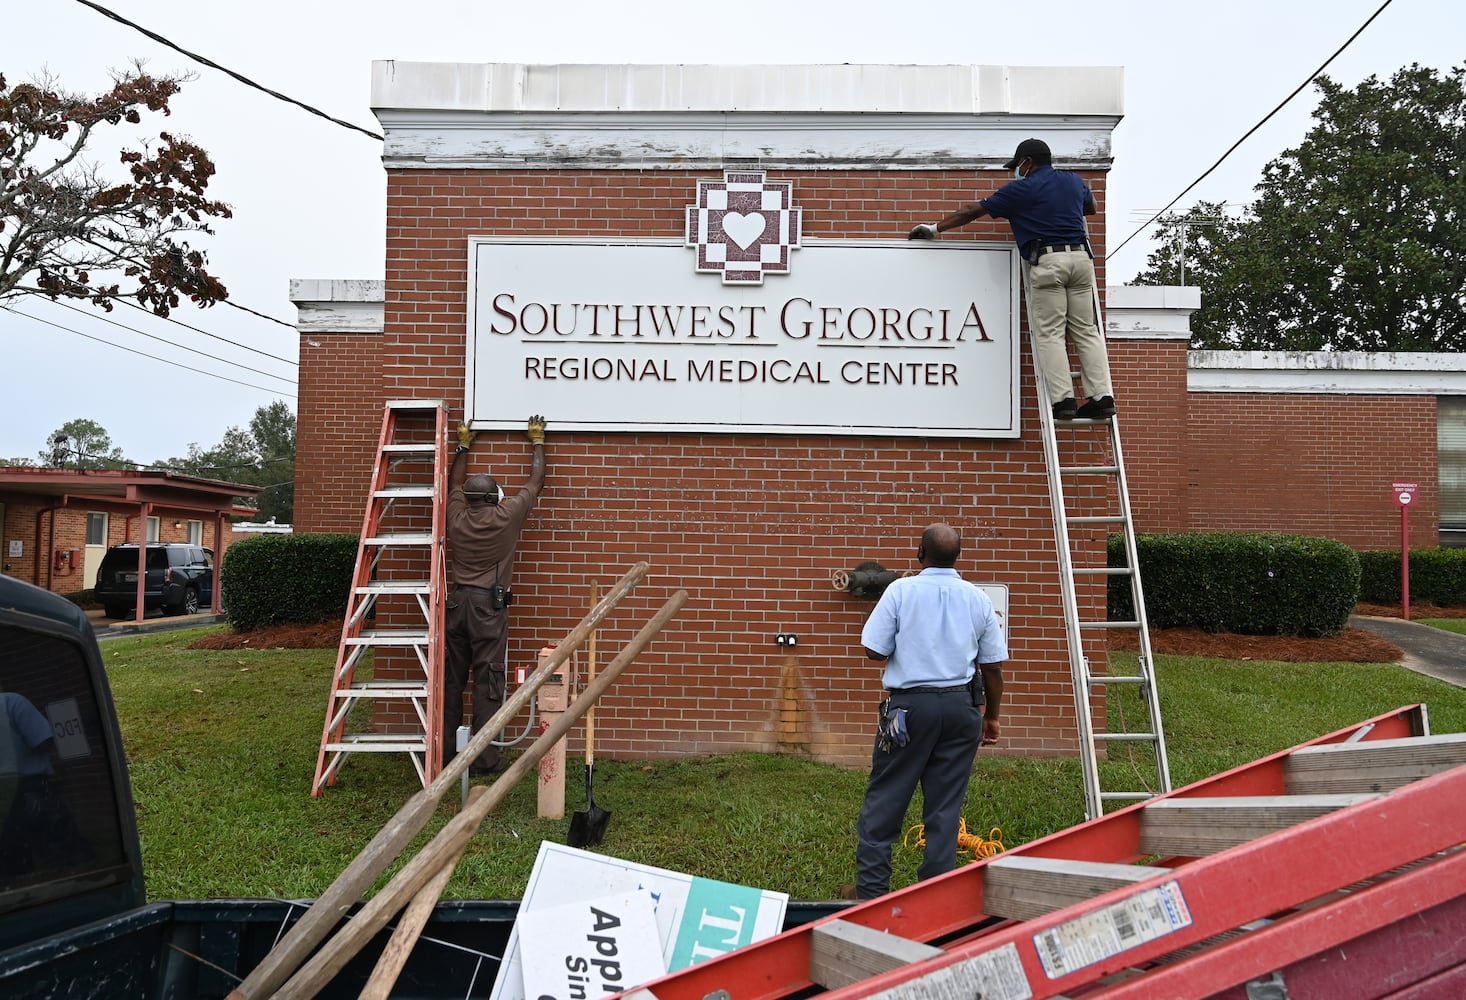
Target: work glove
x=465, y=436
x=536, y=430
x=923, y=232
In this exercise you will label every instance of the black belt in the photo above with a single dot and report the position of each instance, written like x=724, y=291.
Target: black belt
x=929, y=689
x=470, y=586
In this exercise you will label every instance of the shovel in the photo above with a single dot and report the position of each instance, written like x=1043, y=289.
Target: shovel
x=588, y=826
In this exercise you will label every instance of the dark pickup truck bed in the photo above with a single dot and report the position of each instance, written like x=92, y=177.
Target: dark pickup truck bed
x=74, y=918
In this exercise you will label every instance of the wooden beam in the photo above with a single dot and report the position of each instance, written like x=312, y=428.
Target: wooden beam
x=1193, y=828
x=841, y=953
x=1376, y=766
x=1021, y=887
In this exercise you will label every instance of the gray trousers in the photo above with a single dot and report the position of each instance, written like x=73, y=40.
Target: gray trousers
x=945, y=728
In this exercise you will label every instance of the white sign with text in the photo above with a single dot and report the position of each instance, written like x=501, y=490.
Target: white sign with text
x=880, y=337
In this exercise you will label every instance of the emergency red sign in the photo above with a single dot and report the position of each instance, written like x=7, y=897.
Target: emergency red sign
x=1405, y=493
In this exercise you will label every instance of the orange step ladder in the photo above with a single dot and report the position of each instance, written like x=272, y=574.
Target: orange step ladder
x=399, y=582
x=1334, y=869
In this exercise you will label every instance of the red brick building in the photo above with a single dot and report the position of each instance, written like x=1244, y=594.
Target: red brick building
x=510, y=187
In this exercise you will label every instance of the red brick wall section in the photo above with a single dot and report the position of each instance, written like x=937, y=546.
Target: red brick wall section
x=752, y=527
x=1313, y=465
x=339, y=423
x=1150, y=393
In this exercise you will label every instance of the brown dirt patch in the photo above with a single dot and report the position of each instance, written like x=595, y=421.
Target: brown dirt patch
x=324, y=635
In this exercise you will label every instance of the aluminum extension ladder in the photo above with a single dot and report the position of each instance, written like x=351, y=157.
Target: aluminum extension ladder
x=1105, y=506
x=396, y=604
x=1334, y=869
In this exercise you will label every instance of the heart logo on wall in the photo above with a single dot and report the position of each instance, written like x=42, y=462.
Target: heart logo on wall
x=744, y=230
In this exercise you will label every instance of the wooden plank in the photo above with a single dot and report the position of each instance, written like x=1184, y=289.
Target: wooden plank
x=1376, y=766
x=1193, y=828
x=1023, y=887
x=841, y=953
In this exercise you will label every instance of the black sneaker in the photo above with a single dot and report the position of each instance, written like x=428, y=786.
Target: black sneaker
x=1098, y=409
x=1064, y=409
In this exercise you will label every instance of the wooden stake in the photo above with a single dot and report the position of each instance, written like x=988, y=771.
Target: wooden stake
x=410, y=924
x=358, y=877
x=340, y=949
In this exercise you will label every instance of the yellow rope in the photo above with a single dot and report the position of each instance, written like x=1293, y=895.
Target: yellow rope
x=980, y=848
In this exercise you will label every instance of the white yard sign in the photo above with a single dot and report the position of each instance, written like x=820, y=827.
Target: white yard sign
x=875, y=337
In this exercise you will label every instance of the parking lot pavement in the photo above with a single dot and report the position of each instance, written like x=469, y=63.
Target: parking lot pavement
x=1430, y=651
x=111, y=628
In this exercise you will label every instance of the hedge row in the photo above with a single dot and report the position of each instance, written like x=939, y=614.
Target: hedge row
x=296, y=579
x=1437, y=576
x=1253, y=584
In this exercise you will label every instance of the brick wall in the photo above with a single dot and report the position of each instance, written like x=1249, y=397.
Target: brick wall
x=1312, y=464
x=752, y=527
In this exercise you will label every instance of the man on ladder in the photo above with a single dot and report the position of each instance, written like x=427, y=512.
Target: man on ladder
x=483, y=530
x=1045, y=209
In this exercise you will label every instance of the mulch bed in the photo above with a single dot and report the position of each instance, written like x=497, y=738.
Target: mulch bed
x=1353, y=645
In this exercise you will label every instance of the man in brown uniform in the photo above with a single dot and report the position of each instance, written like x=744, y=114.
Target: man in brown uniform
x=483, y=530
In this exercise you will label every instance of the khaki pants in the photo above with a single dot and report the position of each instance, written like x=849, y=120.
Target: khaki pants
x=1060, y=290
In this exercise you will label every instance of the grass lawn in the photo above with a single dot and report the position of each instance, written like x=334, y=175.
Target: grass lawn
x=1457, y=625
x=222, y=746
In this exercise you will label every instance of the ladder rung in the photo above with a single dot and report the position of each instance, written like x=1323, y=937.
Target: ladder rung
x=1103, y=570
x=425, y=405
x=1109, y=624
x=1079, y=470
x=1021, y=887
x=383, y=689
x=842, y=953
x=403, y=538
x=1126, y=796
x=1373, y=766
x=1125, y=737
x=1117, y=679
x=378, y=743
x=1197, y=827
x=395, y=587
x=380, y=637
x=1098, y=519
x=405, y=493
x=410, y=449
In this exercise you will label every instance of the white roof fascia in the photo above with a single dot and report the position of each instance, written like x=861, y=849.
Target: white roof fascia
x=339, y=305
x=687, y=117
x=1327, y=372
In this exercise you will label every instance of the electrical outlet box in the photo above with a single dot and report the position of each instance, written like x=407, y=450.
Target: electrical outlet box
x=786, y=639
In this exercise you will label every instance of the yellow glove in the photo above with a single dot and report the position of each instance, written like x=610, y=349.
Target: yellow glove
x=465, y=436
x=536, y=430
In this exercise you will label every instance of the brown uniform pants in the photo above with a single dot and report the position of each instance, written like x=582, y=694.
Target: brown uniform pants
x=478, y=637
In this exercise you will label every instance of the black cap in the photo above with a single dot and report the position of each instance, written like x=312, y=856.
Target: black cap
x=1031, y=149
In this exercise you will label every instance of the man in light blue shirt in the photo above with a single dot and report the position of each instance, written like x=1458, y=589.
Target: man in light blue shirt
x=944, y=650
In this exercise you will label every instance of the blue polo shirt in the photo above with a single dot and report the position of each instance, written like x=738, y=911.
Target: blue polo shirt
x=1048, y=206
x=935, y=627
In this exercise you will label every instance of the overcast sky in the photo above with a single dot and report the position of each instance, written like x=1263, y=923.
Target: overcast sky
x=308, y=196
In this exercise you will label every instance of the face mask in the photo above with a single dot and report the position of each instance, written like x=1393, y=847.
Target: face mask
x=1018, y=172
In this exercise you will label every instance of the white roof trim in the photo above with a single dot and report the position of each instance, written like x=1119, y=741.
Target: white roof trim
x=871, y=117
x=339, y=305
x=1336, y=372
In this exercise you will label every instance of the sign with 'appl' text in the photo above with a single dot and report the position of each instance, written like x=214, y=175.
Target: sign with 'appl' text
x=881, y=337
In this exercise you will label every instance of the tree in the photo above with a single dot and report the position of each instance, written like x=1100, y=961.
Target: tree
x=67, y=230
x=1357, y=239
x=263, y=455
x=82, y=444
x=1190, y=254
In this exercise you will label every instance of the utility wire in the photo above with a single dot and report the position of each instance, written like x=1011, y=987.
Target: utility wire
x=153, y=357
x=188, y=326
x=1248, y=135
x=213, y=65
x=170, y=343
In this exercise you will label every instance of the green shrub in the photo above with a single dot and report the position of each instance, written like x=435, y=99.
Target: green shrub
x=1231, y=582
x=1436, y=575
x=287, y=579
x=84, y=599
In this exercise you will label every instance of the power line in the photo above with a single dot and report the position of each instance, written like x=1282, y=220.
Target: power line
x=1245, y=137
x=130, y=350
x=171, y=343
x=206, y=333
x=213, y=65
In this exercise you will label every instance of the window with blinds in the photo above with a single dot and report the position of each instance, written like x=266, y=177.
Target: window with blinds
x=1451, y=457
